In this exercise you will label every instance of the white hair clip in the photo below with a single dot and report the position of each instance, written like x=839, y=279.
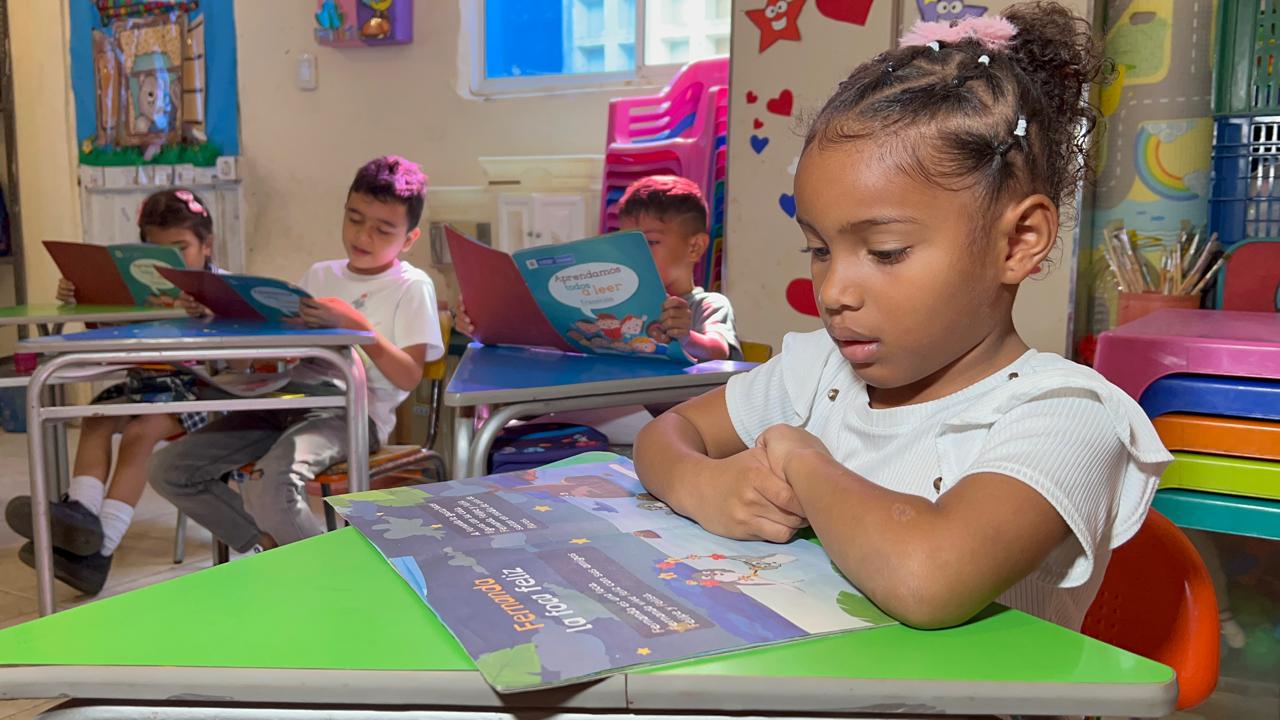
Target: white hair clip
x=984, y=60
x=1021, y=129
x=934, y=46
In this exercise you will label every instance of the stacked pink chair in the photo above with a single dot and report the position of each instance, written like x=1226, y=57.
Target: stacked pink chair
x=681, y=131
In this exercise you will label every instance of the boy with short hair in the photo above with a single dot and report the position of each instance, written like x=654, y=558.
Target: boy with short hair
x=371, y=290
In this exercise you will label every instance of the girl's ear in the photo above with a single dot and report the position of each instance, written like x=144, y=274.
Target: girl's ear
x=1029, y=230
x=207, y=247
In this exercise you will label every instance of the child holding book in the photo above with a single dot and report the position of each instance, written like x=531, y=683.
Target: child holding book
x=90, y=521
x=942, y=463
x=671, y=213
x=370, y=290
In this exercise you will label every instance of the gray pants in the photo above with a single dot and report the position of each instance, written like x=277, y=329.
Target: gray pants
x=288, y=448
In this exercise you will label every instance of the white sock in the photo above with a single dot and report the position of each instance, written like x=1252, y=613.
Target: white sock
x=88, y=491
x=116, y=517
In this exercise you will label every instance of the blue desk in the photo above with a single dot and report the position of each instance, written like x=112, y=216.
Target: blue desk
x=174, y=341
x=528, y=382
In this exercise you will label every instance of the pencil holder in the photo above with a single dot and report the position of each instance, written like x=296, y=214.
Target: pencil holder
x=1135, y=305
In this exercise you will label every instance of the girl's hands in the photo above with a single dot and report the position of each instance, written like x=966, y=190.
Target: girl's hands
x=742, y=498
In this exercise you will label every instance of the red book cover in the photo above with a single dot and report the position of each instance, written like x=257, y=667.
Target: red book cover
x=497, y=299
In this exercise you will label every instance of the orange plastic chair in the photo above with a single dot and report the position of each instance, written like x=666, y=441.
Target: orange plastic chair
x=1157, y=601
x=1236, y=437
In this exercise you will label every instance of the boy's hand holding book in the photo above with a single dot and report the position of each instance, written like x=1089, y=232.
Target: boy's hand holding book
x=676, y=320
x=331, y=312
x=192, y=307
x=66, y=292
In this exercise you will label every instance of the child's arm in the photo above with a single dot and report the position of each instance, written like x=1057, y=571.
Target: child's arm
x=402, y=366
x=677, y=324
x=929, y=564
x=692, y=459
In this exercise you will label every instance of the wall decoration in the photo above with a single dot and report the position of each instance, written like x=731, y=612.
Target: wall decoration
x=777, y=20
x=363, y=23
x=782, y=104
x=932, y=10
x=154, y=82
x=854, y=12
x=1153, y=158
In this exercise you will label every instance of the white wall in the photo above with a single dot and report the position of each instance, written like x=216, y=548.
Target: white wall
x=302, y=148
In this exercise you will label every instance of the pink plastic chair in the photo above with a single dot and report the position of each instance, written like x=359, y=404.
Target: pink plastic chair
x=1198, y=342
x=646, y=116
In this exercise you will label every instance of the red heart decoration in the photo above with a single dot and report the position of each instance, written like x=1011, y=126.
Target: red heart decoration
x=752, y=97
x=781, y=105
x=800, y=297
x=757, y=124
x=851, y=11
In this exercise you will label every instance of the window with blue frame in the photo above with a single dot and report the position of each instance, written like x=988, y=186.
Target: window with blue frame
x=542, y=44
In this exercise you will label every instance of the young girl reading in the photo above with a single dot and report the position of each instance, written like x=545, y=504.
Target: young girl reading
x=942, y=463
x=90, y=521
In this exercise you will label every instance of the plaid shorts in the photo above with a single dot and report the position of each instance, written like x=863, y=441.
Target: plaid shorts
x=157, y=386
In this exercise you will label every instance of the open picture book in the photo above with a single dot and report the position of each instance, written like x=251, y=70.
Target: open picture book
x=572, y=572
x=597, y=295
x=117, y=274
x=239, y=297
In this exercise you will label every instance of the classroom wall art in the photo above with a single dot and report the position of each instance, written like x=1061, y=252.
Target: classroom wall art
x=775, y=85
x=766, y=276
x=154, y=82
x=363, y=23
x=1153, y=157
x=777, y=20
x=932, y=10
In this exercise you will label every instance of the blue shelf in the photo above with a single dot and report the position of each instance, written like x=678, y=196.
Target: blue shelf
x=1228, y=514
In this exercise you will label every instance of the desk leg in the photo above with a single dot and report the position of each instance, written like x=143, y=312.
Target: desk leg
x=37, y=434
x=357, y=424
x=61, y=472
x=464, y=427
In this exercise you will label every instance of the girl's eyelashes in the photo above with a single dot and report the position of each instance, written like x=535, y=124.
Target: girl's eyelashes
x=889, y=257
x=817, y=252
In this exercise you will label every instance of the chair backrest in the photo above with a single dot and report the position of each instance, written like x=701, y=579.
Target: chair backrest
x=1157, y=601
x=756, y=352
x=434, y=370
x=1250, y=280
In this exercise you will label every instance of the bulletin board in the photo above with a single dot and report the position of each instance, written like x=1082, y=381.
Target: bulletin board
x=788, y=56
x=154, y=82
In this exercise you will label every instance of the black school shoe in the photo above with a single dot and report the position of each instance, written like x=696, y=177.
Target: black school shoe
x=84, y=573
x=75, y=529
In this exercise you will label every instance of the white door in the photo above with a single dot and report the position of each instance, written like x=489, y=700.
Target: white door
x=558, y=218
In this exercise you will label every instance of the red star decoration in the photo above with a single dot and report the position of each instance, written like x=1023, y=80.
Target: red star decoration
x=716, y=556
x=777, y=20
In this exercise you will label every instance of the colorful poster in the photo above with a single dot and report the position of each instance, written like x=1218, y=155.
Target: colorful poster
x=562, y=574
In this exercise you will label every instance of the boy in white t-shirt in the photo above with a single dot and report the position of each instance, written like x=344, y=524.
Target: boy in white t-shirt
x=371, y=290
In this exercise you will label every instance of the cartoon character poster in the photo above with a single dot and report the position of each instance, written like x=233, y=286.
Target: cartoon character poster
x=150, y=54
x=570, y=572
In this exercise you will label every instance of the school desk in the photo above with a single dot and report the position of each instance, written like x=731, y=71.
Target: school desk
x=48, y=319
x=1201, y=342
x=1232, y=397
x=327, y=622
x=526, y=382
x=171, y=341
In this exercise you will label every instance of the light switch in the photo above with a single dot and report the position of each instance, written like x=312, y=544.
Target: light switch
x=307, y=72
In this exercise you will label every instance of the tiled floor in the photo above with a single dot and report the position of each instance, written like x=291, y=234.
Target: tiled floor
x=145, y=557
